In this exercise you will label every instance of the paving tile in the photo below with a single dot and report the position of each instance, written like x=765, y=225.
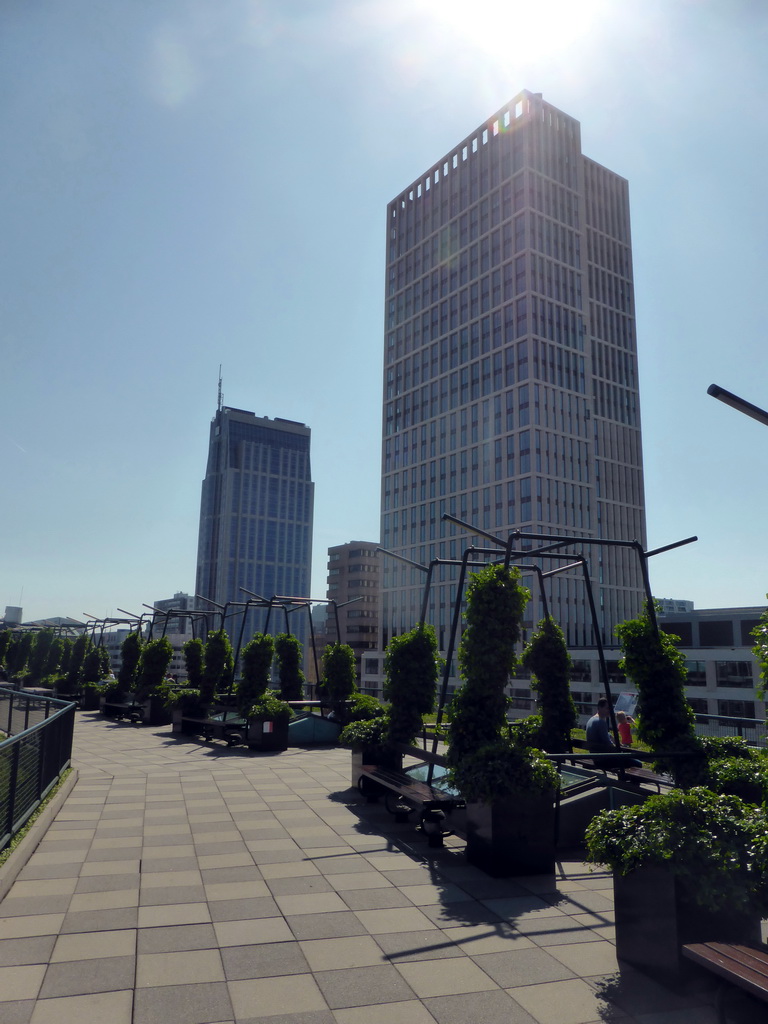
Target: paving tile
x=298, y=885
x=292, y=869
x=375, y=899
x=24, y=906
x=114, y=1007
x=94, y=945
x=107, y=883
x=183, y=913
x=17, y=1011
x=561, y=1002
x=176, y=938
x=182, y=1004
x=479, y=1008
x=445, y=977
x=587, y=959
x=362, y=986
x=326, y=926
x=37, y=924
x=236, y=890
x=275, y=997
x=100, y=920
x=247, y=932
x=112, y=900
x=264, y=960
x=501, y=937
x=185, y=967
x=239, y=910
x=405, y=919
x=404, y=947
x=333, y=954
x=157, y=896
x=409, y=1012
x=33, y=949
x=310, y=903
x=522, y=967
x=74, y=978
x=459, y=914
x=21, y=982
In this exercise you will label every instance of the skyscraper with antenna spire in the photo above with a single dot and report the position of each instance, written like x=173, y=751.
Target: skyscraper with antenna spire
x=256, y=512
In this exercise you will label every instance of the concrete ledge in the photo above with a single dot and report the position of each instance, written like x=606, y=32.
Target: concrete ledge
x=9, y=871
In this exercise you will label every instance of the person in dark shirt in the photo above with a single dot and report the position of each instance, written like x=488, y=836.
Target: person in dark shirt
x=600, y=741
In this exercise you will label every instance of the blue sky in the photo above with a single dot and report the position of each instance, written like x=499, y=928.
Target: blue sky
x=187, y=184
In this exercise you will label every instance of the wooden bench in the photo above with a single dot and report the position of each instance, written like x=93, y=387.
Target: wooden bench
x=742, y=966
x=646, y=775
x=404, y=794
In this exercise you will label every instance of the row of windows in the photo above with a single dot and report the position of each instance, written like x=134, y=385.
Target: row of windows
x=612, y=326
x=607, y=202
x=609, y=289
x=614, y=364
x=609, y=253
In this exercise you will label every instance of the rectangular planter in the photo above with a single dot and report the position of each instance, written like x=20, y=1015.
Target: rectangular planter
x=653, y=923
x=512, y=836
x=267, y=735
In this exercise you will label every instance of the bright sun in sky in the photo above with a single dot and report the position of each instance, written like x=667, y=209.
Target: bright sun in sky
x=512, y=29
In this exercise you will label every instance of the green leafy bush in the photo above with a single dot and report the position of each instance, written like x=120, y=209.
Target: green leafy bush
x=739, y=776
x=546, y=655
x=288, y=651
x=363, y=708
x=760, y=651
x=269, y=708
x=502, y=769
x=411, y=668
x=657, y=668
x=153, y=665
x=256, y=662
x=495, y=605
x=218, y=667
x=194, y=661
x=338, y=683
x=371, y=734
x=716, y=846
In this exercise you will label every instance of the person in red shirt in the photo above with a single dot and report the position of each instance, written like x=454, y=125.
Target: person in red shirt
x=624, y=723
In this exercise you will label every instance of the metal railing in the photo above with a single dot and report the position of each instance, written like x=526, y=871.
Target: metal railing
x=750, y=729
x=35, y=752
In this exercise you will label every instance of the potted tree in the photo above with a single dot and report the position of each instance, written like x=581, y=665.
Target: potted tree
x=687, y=867
x=185, y=700
x=155, y=659
x=116, y=694
x=288, y=651
x=546, y=655
x=657, y=668
x=509, y=789
x=266, y=717
x=411, y=666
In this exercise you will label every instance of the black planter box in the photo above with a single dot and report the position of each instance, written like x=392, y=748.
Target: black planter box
x=512, y=836
x=270, y=735
x=653, y=922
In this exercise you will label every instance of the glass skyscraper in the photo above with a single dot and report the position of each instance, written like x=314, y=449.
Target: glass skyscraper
x=510, y=368
x=256, y=516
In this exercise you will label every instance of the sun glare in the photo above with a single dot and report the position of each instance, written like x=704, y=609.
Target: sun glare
x=520, y=30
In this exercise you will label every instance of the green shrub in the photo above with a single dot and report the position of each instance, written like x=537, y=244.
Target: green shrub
x=371, y=734
x=338, y=683
x=716, y=846
x=288, y=651
x=411, y=668
x=495, y=605
x=657, y=668
x=363, y=708
x=269, y=708
x=546, y=655
x=256, y=662
x=501, y=769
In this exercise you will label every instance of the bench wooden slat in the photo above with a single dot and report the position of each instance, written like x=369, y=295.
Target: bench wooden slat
x=741, y=965
x=408, y=787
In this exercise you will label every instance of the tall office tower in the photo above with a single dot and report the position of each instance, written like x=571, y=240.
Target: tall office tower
x=256, y=516
x=510, y=369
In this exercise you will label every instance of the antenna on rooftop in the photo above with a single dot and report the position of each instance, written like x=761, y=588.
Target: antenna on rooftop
x=219, y=405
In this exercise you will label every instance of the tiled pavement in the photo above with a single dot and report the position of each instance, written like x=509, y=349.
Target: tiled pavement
x=189, y=883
